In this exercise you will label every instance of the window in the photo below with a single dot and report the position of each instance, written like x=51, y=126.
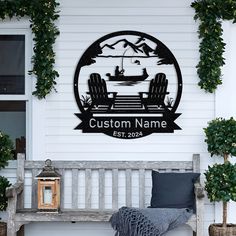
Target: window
x=14, y=100
x=12, y=64
x=12, y=122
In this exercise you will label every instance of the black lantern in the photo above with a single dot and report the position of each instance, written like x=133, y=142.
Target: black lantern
x=48, y=188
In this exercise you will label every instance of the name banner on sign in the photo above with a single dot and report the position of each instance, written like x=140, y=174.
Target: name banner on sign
x=128, y=127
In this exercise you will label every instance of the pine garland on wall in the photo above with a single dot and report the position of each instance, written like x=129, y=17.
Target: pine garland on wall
x=210, y=14
x=42, y=15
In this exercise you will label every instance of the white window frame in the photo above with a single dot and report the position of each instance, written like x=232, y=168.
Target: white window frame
x=24, y=29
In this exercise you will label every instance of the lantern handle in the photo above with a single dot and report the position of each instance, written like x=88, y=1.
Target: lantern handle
x=48, y=163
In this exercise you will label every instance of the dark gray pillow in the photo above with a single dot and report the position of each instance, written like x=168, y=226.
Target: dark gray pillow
x=173, y=190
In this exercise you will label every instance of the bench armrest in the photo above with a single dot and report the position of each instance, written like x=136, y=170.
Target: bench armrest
x=14, y=190
x=198, y=190
x=199, y=194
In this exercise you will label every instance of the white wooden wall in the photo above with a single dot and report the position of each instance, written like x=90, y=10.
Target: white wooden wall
x=53, y=120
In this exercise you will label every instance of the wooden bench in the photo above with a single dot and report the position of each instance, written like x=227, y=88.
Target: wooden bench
x=105, y=171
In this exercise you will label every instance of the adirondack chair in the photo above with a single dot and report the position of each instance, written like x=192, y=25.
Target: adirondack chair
x=157, y=91
x=98, y=91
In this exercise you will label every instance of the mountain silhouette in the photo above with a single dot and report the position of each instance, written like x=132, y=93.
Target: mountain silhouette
x=141, y=48
x=125, y=43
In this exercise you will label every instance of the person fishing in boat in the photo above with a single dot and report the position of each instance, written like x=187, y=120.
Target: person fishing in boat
x=119, y=75
x=119, y=72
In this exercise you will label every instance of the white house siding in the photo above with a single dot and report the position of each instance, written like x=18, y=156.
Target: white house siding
x=53, y=120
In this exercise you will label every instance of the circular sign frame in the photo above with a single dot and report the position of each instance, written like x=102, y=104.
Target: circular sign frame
x=118, y=122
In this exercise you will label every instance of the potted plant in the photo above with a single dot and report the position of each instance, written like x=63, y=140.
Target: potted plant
x=220, y=182
x=6, y=148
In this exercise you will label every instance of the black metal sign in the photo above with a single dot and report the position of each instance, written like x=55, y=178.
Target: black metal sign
x=128, y=85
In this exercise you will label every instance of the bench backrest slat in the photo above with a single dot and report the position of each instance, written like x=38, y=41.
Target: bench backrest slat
x=88, y=188
x=141, y=188
x=128, y=186
x=101, y=189
x=62, y=195
x=75, y=184
x=34, y=198
x=115, y=189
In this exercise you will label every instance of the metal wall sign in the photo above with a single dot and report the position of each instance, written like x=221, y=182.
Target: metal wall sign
x=127, y=85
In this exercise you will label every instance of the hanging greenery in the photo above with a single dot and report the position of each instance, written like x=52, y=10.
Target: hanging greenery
x=42, y=15
x=210, y=14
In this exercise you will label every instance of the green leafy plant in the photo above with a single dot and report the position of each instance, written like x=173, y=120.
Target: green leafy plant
x=4, y=183
x=221, y=178
x=221, y=185
x=86, y=101
x=6, y=148
x=221, y=137
x=221, y=182
x=42, y=15
x=169, y=102
x=210, y=14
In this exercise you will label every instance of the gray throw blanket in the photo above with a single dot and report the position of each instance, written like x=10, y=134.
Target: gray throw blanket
x=130, y=221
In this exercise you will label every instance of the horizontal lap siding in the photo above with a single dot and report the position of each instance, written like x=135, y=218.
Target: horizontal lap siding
x=83, y=22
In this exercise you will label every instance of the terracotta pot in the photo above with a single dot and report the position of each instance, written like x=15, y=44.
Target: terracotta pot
x=218, y=230
x=3, y=229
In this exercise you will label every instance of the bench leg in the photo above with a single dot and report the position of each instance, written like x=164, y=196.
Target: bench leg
x=11, y=231
x=16, y=228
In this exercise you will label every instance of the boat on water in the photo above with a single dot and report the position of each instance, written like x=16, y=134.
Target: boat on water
x=121, y=77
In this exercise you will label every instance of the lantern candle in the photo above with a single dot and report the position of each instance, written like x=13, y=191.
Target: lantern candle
x=47, y=195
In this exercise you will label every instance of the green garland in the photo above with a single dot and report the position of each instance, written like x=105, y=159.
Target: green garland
x=42, y=15
x=211, y=13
